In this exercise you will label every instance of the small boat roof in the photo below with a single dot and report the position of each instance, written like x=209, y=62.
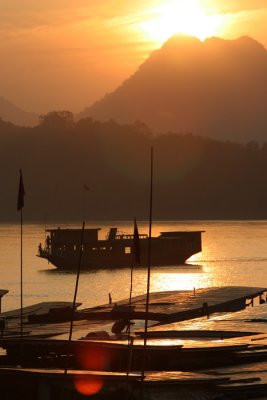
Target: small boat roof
x=3, y=292
x=175, y=233
x=72, y=229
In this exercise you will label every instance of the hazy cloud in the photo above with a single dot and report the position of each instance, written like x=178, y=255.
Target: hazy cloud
x=29, y=13
x=90, y=44
x=235, y=6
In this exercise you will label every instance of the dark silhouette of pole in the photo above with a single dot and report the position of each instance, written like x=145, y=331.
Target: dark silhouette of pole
x=75, y=293
x=148, y=263
x=130, y=341
x=135, y=260
x=85, y=188
x=84, y=201
x=21, y=274
x=20, y=205
x=131, y=283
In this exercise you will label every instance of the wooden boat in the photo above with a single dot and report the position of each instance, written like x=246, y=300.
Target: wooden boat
x=54, y=384
x=169, y=248
x=110, y=355
x=51, y=383
x=221, y=368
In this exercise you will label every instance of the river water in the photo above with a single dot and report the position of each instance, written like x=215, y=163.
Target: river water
x=234, y=253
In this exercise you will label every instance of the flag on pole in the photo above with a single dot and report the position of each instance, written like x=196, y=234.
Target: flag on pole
x=21, y=192
x=136, y=244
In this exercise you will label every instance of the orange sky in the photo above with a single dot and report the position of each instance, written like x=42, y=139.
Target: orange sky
x=65, y=54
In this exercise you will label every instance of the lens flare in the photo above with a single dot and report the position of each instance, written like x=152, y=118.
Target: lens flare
x=94, y=359
x=88, y=386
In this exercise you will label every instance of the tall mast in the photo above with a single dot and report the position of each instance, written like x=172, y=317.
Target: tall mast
x=85, y=188
x=148, y=261
x=77, y=282
x=20, y=205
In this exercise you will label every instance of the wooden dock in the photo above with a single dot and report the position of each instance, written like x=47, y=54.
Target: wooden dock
x=205, y=356
x=164, y=308
x=179, y=305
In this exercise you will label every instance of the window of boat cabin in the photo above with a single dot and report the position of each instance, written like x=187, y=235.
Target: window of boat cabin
x=127, y=250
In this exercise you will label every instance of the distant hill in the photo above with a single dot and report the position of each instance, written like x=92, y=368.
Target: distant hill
x=215, y=88
x=194, y=177
x=11, y=113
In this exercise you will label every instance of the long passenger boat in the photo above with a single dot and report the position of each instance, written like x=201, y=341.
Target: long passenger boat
x=169, y=248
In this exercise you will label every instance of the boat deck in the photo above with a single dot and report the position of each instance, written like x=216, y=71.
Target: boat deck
x=224, y=354
x=164, y=308
x=181, y=305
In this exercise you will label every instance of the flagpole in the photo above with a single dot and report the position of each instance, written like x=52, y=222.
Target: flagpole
x=20, y=205
x=130, y=341
x=83, y=204
x=148, y=263
x=21, y=284
x=85, y=188
x=77, y=282
x=131, y=283
x=129, y=327
x=21, y=272
x=75, y=294
x=135, y=260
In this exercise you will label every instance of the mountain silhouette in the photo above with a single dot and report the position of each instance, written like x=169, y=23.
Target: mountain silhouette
x=11, y=113
x=216, y=88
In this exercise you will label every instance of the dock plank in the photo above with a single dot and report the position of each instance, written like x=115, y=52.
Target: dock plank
x=184, y=304
x=172, y=306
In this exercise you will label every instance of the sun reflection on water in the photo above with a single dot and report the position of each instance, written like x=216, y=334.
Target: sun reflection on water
x=234, y=253
x=184, y=280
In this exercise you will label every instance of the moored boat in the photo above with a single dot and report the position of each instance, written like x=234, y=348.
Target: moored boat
x=169, y=248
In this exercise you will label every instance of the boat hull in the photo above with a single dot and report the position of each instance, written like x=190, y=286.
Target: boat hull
x=166, y=249
x=65, y=263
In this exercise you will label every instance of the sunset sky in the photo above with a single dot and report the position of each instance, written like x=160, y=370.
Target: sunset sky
x=65, y=54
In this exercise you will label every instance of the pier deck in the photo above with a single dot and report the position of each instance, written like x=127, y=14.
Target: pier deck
x=164, y=308
x=181, y=305
x=224, y=361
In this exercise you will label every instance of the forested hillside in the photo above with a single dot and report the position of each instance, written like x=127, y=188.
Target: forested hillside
x=194, y=177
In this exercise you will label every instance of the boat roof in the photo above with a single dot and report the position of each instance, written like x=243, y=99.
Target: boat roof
x=171, y=233
x=72, y=229
x=3, y=292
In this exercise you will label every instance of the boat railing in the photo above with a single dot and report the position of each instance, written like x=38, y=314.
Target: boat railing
x=126, y=236
x=44, y=251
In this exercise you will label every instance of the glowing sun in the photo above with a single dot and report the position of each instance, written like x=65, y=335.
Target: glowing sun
x=181, y=16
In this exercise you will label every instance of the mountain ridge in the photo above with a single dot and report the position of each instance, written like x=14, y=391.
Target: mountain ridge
x=11, y=113
x=214, y=88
